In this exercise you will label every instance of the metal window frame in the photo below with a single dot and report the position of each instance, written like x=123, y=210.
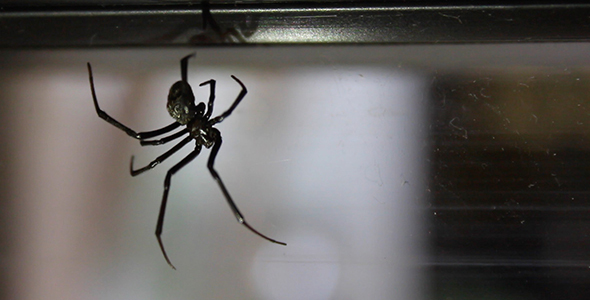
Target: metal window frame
x=77, y=26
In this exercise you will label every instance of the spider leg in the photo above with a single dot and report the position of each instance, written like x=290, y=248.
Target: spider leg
x=159, y=159
x=211, y=84
x=137, y=135
x=232, y=107
x=162, y=212
x=184, y=67
x=224, y=35
x=165, y=139
x=206, y=15
x=230, y=201
x=153, y=133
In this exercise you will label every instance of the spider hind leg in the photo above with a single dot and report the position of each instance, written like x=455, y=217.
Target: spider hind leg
x=162, y=212
x=229, y=199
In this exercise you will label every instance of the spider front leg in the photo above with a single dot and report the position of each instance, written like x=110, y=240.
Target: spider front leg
x=162, y=212
x=184, y=67
x=239, y=98
x=211, y=84
x=137, y=135
x=230, y=201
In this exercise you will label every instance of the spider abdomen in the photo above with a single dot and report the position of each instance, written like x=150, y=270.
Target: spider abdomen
x=181, y=102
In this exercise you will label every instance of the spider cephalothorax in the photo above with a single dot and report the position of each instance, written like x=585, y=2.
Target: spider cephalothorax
x=181, y=106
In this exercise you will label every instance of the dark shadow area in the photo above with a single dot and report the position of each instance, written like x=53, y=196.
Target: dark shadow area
x=510, y=214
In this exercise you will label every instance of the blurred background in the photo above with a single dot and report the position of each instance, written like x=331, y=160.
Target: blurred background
x=327, y=156
x=408, y=153
x=390, y=172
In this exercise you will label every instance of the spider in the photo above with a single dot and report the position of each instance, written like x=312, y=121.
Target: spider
x=199, y=127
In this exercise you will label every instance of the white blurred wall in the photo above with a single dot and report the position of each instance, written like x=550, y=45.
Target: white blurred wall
x=324, y=154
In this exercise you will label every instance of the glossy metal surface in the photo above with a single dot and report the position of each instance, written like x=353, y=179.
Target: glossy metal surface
x=290, y=23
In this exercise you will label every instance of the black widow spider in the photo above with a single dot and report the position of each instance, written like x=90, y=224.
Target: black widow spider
x=181, y=106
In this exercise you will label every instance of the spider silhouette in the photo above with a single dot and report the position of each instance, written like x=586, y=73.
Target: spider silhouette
x=199, y=128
